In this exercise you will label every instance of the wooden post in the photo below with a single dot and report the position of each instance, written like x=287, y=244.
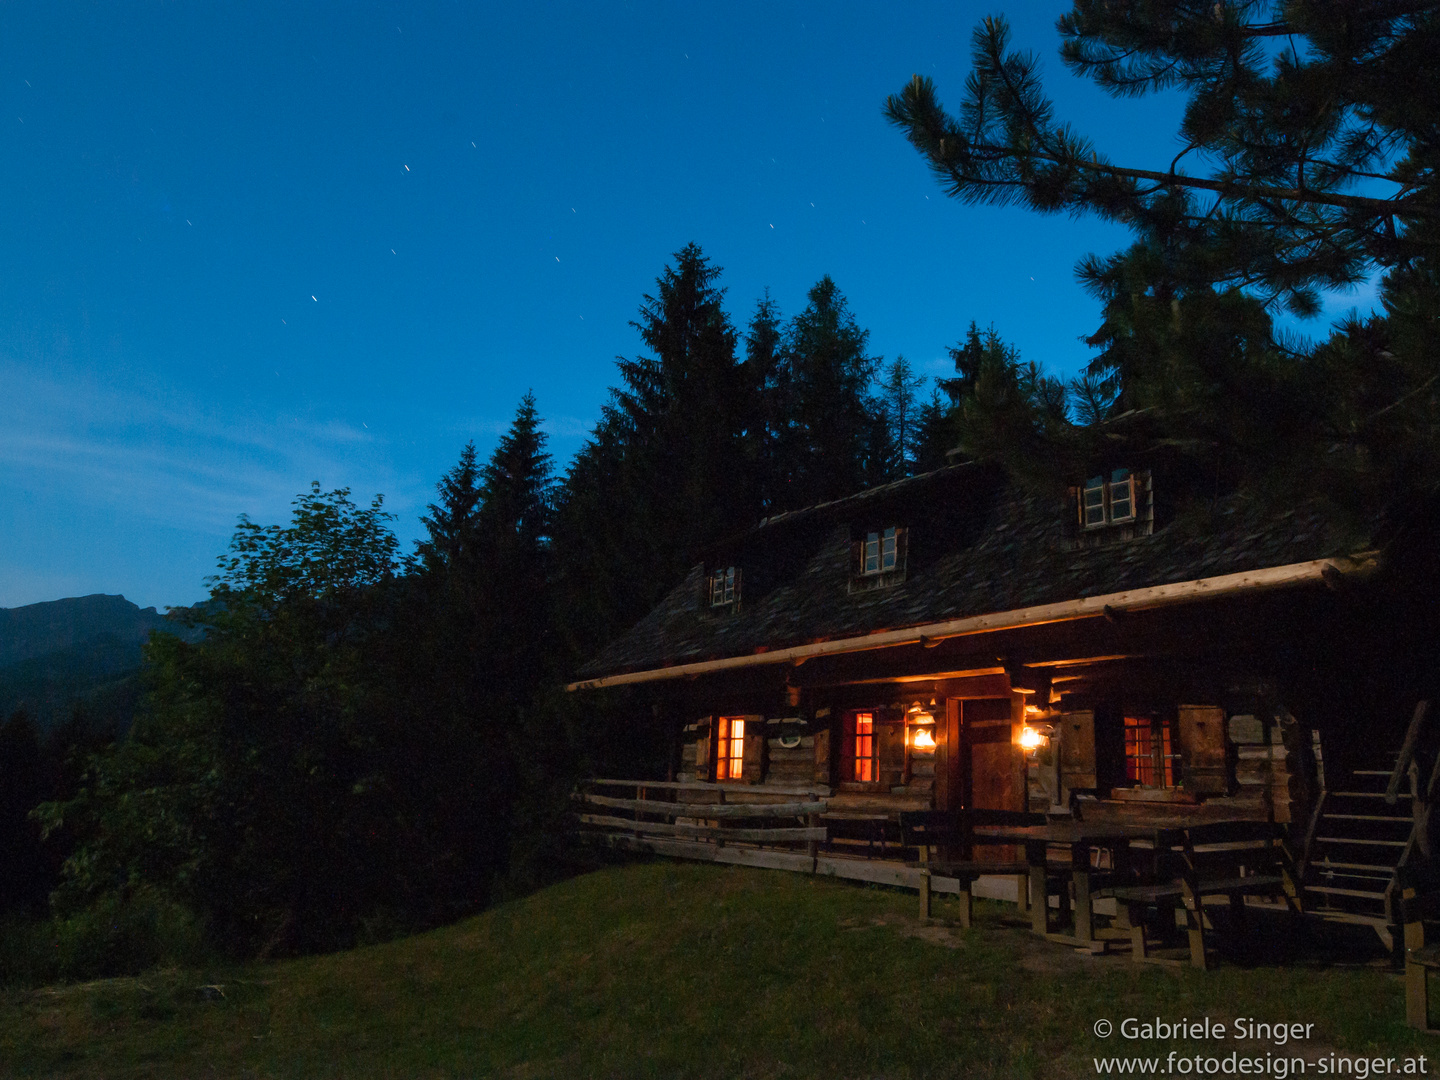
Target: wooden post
x=1039, y=894
x=1195, y=927
x=720, y=840
x=1080, y=875
x=1417, y=988
x=924, y=896
x=812, y=847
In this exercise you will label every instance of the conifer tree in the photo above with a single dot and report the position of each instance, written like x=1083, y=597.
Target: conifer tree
x=1307, y=163
x=450, y=523
x=899, y=387
x=670, y=467
x=828, y=440
x=768, y=375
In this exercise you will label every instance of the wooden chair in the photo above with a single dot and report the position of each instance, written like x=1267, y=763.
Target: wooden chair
x=946, y=841
x=1234, y=859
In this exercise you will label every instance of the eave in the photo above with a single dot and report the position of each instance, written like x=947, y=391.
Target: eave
x=1292, y=575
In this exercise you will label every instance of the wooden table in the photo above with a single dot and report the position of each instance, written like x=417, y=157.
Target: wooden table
x=1080, y=837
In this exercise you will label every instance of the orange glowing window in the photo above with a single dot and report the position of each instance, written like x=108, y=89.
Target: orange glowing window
x=865, y=771
x=730, y=756
x=1149, y=754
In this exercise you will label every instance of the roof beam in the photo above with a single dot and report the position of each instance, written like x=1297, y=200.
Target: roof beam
x=1317, y=571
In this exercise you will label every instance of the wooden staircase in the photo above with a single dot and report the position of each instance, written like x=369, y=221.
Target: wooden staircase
x=1356, y=846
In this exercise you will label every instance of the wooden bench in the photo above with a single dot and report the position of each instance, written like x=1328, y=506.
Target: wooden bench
x=946, y=841
x=1234, y=859
x=1418, y=902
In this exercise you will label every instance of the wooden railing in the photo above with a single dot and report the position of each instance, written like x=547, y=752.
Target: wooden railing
x=765, y=816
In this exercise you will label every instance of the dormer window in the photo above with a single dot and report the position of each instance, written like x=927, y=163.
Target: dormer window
x=724, y=587
x=1108, y=500
x=881, y=551
x=877, y=558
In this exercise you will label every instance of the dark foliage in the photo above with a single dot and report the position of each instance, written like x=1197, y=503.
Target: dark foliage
x=1307, y=163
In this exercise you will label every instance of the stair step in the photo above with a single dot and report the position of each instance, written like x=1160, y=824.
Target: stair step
x=1328, y=865
x=1399, y=819
x=1351, y=917
x=1374, y=772
x=1331, y=890
x=1367, y=795
x=1370, y=843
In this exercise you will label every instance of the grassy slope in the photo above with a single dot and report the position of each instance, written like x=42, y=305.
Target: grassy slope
x=677, y=970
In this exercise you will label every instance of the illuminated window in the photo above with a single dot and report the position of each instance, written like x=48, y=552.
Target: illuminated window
x=865, y=769
x=881, y=551
x=730, y=752
x=1149, y=753
x=1108, y=500
x=724, y=586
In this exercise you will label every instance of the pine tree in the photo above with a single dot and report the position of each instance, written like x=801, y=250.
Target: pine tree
x=512, y=530
x=671, y=466
x=1308, y=136
x=450, y=523
x=828, y=441
x=899, y=387
x=768, y=375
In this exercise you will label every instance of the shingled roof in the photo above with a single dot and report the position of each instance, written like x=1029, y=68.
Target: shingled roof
x=978, y=545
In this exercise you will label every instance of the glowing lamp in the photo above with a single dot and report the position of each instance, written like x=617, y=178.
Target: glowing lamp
x=923, y=739
x=1030, y=738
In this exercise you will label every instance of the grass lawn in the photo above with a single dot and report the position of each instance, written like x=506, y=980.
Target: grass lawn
x=688, y=970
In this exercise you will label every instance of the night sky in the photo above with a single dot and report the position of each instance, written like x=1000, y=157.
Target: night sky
x=247, y=246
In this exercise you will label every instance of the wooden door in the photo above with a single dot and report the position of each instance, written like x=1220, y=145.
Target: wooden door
x=976, y=762
x=997, y=775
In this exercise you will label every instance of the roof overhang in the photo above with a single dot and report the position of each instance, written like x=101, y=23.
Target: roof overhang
x=1316, y=571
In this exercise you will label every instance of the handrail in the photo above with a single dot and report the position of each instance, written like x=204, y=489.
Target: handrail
x=698, y=785
x=707, y=810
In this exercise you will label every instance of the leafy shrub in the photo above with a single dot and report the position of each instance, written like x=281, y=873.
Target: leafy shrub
x=125, y=935
x=115, y=935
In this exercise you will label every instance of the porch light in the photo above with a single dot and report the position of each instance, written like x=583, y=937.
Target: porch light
x=1030, y=738
x=923, y=721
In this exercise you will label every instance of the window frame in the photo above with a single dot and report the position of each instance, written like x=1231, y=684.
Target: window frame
x=1099, y=497
x=724, y=588
x=1149, y=759
x=867, y=739
x=729, y=765
x=880, y=551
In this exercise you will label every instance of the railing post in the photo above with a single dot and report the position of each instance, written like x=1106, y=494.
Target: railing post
x=720, y=822
x=812, y=847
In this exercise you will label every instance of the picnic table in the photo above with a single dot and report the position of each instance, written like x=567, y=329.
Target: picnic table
x=1081, y=837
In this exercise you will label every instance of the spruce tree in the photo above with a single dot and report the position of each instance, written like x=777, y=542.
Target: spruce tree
x=450, y=523
x=829, y=435
x=671, y=466
x=898, y=401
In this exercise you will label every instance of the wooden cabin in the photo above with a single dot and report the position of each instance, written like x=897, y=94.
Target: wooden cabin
x=951, y=641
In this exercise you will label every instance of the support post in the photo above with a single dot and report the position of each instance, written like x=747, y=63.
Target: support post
x=812, y=847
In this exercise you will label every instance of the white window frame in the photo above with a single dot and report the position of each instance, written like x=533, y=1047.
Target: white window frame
x=722, y=587
x=881, y=553
x=1100, y=495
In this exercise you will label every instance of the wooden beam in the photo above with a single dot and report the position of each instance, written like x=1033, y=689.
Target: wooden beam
x=755, y=836
x=696, y=785
x=1180, y=592
x=707, y=810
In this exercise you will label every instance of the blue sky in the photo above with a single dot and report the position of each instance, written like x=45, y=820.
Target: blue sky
x=250, y=245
